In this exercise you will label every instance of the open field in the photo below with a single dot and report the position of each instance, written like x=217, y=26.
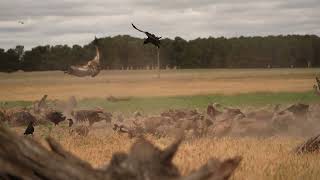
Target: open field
x=32, y=85
x=263, y=158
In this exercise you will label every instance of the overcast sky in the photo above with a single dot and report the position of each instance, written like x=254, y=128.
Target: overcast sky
x=77, y=21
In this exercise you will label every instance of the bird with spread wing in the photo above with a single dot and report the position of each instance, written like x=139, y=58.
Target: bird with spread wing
x=151, y=38
x=92, y=68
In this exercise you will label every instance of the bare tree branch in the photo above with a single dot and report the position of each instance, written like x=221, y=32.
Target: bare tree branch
x=24, y=158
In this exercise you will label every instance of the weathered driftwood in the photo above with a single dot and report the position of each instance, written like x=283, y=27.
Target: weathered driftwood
x=309, y=146
x=24, y=158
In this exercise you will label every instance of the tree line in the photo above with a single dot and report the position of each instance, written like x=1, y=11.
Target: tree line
x=126, y=52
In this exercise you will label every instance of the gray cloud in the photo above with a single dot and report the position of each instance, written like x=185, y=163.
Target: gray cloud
x=298, y=4
x=77, y=21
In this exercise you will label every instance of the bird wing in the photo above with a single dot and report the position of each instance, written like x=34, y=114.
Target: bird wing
x=151, y=36
x=137, y=28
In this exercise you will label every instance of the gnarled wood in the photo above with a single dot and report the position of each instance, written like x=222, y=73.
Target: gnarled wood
x=27, y=159
x=24, y=158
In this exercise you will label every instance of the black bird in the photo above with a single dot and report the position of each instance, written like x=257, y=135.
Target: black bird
x=55, y=117
x=70, y=122
x=153, y=39
x=30, y=129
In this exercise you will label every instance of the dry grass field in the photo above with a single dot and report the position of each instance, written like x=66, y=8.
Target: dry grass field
x=32, y=85
x=264, y=158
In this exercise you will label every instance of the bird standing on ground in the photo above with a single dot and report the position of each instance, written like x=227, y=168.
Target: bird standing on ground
x=30, y=129
x=55, y=117
x=153, y=39
x=70, y=122
x=317, y=87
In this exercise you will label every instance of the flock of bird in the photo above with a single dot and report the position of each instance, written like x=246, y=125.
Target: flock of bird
x=55, y=117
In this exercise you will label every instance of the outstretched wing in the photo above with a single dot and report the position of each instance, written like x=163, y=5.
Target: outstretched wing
x=137, y=28
x=318, y=81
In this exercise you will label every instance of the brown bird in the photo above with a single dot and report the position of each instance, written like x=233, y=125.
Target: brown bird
x=317, y=87
x=70, y=122
x=316, y=90
x=153, y=39
x=30, y=129
x=92, y=68
x=55, y=117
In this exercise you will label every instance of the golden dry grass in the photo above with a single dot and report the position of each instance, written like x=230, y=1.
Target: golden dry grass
x=269, y=158
x=32, y=85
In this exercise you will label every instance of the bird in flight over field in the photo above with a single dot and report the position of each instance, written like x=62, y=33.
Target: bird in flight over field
x=153, y=39
x=92, y=68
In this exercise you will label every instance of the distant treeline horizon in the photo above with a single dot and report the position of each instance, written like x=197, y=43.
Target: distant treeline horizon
x=126, y=52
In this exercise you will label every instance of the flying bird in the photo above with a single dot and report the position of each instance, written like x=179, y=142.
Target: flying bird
x=30, y=129
x=92, y=68
x=20, y=22
x=153, y=39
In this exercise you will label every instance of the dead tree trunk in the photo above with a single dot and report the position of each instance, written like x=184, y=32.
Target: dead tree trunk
x=24, y=158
